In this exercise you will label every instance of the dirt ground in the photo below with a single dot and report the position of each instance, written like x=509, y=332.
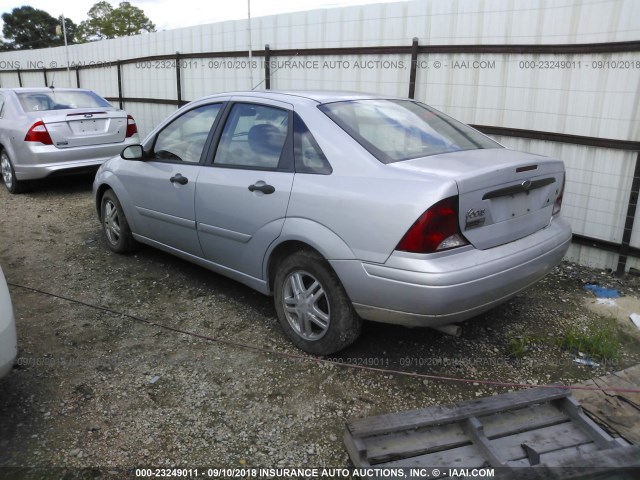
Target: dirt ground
x=97, y=388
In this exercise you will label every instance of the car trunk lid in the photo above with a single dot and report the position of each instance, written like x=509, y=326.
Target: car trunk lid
x=503, y=195
x=79, y=128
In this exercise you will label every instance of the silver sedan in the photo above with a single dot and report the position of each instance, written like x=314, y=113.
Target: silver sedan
x=51, y=131
x=342, y=206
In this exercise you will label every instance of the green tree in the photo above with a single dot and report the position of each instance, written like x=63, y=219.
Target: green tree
x=107, y=22
x=29, y=28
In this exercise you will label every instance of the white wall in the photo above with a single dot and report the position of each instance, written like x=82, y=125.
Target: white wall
x=588, y=97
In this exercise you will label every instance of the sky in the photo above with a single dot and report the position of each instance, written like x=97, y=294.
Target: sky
x=170, y=14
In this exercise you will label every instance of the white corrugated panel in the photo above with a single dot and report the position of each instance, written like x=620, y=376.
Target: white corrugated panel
x=148, y=116
x=386, y=74
x=149, y=79
x=103, y=81
x=207, y=76
x=9, y=80
x=32, y=79
x=528, y=92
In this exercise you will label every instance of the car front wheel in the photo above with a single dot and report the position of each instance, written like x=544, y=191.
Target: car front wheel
x=312, y=305
x=9, y=174
x=115, y=225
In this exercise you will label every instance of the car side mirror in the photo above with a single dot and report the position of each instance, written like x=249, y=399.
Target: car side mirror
x=132, y=152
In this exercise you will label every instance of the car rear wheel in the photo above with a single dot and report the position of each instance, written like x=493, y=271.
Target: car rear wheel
x=312, y=305
x=9, y=175
x=115, y=225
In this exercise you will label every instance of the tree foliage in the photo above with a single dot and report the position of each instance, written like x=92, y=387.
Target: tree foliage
x=30, y=28
x=107, y=22
x=27, y=27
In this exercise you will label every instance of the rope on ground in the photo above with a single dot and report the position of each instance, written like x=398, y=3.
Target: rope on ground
x=300, y=357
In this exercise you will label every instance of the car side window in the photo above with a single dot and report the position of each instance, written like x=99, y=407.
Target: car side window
x=253, y=136
x=308, y=155
x=1, y=105
x=183, y=139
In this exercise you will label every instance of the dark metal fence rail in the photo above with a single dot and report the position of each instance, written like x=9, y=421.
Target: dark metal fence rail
x=623, y=249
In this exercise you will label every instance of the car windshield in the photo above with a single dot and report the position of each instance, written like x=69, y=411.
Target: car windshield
x=396, y=130
x=60, y=100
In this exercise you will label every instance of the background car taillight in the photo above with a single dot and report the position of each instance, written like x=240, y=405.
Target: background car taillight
x=436, y=230
x=38, y=133
x=132, y=128
x=558, y=203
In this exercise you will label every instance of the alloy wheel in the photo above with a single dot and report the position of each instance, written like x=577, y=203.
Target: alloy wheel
x=306, y=305
x=111, y=222
x=7, y=174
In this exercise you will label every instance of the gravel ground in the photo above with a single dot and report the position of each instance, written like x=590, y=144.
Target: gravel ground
x=99, y=388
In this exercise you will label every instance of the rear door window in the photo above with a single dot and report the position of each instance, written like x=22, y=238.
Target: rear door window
x=309, y=157
x=254, y=136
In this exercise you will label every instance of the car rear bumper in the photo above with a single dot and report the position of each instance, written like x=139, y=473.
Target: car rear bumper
x=451, y=287
x=40, y=161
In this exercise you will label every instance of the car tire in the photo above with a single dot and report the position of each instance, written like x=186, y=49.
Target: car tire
x=115, y=226
x=14, y=185
x=313, y=308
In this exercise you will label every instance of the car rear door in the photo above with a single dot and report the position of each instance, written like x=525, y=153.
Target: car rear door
x=243, y=192
x=162, y=188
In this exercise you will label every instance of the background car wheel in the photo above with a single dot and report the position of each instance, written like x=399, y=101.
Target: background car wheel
x=313, y=307
x=115, y=225
x=9, y=175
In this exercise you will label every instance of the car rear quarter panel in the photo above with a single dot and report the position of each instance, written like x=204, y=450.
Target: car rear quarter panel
x=370, y=215
x=367, y=204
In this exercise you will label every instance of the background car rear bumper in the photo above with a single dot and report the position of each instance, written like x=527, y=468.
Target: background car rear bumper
x=417, y=291
x=34, y=162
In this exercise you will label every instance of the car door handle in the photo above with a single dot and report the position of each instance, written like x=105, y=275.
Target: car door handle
x=178, y=178
x=266, y=189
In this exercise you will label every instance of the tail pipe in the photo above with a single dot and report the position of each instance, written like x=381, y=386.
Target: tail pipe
x=451, y=329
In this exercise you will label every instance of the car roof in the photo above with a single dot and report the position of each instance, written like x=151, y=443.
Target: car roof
x=305, y=96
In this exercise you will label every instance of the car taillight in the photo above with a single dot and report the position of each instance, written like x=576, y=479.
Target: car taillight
x=558, y=203
x=132, y=128
x=38, y=133
x=436, y=230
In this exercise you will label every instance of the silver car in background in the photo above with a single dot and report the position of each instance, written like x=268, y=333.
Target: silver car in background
x=8, y=341
x=48, y=131
x=342, y=206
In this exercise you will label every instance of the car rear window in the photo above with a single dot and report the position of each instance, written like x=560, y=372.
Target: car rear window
x=396, y=130
x=59, y=100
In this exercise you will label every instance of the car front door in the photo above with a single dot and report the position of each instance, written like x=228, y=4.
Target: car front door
x=162, y=187
x=243, y=192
